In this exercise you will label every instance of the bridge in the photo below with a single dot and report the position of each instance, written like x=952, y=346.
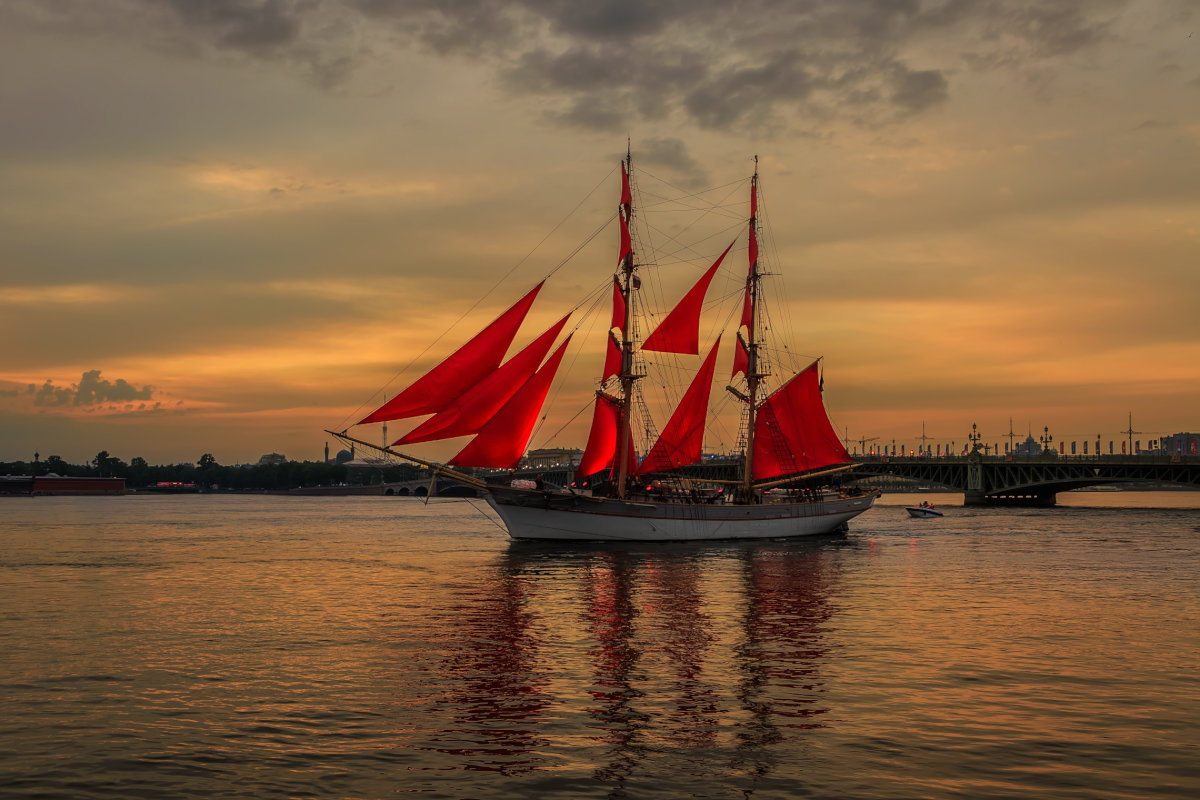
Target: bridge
x=984, y=480
x=1030, y=480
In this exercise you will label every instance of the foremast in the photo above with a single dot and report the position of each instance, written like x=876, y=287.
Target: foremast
x=750, y=320
x=628, y=376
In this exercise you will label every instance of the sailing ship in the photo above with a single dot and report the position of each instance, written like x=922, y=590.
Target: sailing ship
x=786, y=483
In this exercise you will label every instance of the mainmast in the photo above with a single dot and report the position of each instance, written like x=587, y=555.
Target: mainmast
x=628, y=377
x=750, y=319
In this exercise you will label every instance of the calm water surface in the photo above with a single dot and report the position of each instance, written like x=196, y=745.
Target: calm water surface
x=268, y=647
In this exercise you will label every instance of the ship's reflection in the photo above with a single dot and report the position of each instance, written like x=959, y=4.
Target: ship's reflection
x=613, y=658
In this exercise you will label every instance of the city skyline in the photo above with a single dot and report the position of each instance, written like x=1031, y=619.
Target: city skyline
x=228, y=226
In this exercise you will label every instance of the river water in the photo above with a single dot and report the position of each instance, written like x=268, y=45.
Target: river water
x=264, y=647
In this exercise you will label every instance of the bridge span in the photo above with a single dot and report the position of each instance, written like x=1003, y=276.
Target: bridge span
x=1030, y=480
x=984, y=480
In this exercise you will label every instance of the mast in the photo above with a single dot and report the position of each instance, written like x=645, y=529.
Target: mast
x=753, y=378
x=628, y=377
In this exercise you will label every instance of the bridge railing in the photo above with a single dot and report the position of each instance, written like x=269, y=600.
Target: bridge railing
x=1148, y=460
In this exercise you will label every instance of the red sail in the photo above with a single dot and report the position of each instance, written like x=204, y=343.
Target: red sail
x=602, y=440
x=502, y=441
x=753, y=249
x=681, y=441
x=472, y=410
x=601, y=450
x=612, y=359
x=680, y=331
x=747, y=310
x=462, y=370
x=741, y=358
x=792, y=432
x=618, y=317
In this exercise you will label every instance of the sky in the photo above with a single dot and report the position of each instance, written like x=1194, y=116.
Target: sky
x=226, y=225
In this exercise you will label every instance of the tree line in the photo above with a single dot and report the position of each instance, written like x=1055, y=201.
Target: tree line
x=208, y=474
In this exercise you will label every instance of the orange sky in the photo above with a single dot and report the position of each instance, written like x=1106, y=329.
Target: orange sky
x=227, y=226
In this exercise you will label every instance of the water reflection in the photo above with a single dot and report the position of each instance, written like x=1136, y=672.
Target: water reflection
x=786, y=615
x=607, y=660
x=493, y=692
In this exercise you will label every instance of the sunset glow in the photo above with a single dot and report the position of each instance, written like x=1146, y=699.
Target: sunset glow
x=224, y=232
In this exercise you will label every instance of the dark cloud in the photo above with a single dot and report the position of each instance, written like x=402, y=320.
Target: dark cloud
x=668, y=152
x=91, y=390
x=607, y=63
x=604, y=64
x=1055, y=29
x=917, y=90
x=254, y=26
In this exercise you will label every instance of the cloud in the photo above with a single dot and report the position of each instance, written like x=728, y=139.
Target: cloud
x=673, y=154
x=605, y=64
x=917, y=90
x=92, y=390
x=727, y=66
x=260, y=27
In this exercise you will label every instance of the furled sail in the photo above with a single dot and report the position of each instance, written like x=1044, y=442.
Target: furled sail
x=469, y=413
x=460, y=371
x=679, y=332
x=502, y=440
x=792, y=432
x=681, y=440
x=626, y=195
x=753, y=242
x=626, y=208
x=626, y=247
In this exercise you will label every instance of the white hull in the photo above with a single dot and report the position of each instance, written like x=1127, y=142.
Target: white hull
x=566, y=517
x=917, y=511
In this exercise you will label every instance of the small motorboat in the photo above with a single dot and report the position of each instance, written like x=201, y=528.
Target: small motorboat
x=923, y=510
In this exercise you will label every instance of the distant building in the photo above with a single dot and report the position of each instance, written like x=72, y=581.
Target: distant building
x=368, y=463
x=343, y=456
x=1185, y=444
x=552, y=457
x=53, y=484
x=1029, y=447
x=272, y=458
